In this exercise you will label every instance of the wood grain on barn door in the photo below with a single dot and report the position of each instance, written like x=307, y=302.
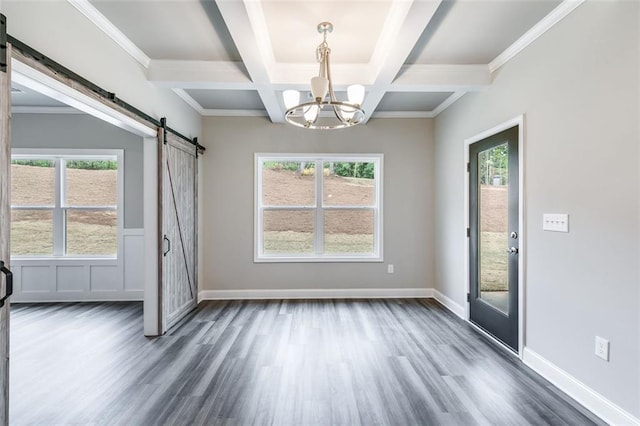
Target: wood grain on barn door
x=5, y=212
x=179, y=220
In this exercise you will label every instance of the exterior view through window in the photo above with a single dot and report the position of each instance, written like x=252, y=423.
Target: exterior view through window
x=64, y=205
x=318, y=208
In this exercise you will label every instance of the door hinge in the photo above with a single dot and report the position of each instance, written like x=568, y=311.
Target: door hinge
x=468, y=297
x=468, y=232
x=468, y=167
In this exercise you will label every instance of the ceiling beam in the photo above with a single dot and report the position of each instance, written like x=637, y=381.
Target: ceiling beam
x=220, y=75
x=403, y=28
x=253, y=50
x=100, y=21
x=199, y=75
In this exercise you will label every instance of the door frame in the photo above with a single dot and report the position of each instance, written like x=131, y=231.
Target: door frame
x=36, y=80
x=516, y=121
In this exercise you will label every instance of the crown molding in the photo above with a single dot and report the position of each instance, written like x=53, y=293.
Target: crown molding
x=234, y=113
x=217, y=112
x=545, y=24
x=403, y=114
x=189, y=100
x=88, y=10
x=447, y=102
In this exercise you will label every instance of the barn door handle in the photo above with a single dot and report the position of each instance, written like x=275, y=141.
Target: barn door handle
x=168, y=246
x=8, y=280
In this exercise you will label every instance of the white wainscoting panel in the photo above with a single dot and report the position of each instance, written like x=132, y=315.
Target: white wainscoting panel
x=133, y=258
x=106, y=278
x=71, y=278
x=83, y=279
x=37, y=279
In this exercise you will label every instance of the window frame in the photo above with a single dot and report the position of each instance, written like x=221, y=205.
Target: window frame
x=60, y=156
x=318, y=208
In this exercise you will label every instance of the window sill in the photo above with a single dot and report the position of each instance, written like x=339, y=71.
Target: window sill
x=64, y=259
x=317, y=259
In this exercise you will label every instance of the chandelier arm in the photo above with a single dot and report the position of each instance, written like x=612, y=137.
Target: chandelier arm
x=338, y=114
x=315, y=119
x=332, y=94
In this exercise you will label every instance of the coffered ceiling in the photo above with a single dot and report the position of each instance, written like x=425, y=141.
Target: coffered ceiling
x=235, y=57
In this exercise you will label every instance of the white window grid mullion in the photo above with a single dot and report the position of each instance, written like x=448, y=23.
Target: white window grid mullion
x=259, y=220
x=345, y=207
x=59, y=225
x=299, y=208
x=92, y=208
x=33, y=207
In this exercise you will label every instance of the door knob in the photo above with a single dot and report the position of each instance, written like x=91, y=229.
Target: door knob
x=512, y=250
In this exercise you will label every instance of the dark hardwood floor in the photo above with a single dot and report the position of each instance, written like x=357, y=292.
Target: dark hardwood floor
x=339, y=362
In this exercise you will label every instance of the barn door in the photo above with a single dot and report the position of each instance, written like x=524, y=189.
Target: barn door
x=5, y=168
x=178, y=293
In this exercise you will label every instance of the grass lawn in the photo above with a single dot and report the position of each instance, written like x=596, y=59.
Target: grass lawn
x=33, y=237
x=276, y=242
x=493, y=261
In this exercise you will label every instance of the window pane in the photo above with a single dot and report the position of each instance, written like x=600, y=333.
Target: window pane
x=33, y=182
x=91, y=183
x=31, y=232
x=288, y=232
x=288, y=183
x=349, y=184
x=348, y=231
x=91, y=232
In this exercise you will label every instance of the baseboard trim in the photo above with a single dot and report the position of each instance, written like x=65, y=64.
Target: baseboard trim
x=334, y=293
x=583, y=394
x=70, y=297
x=449, y=304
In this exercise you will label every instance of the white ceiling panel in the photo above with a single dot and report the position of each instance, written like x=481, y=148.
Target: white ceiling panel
x=227, y=99
x=475, y=32
x=292, y=28
x=409, y=101
x=174, y=29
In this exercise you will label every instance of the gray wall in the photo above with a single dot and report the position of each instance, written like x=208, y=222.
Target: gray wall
x=84, y=131
x=227, y=195
x=578, y=88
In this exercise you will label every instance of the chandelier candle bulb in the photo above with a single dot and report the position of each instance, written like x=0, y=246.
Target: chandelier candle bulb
x=291, y=98
x=319, y=88
x=355, y=93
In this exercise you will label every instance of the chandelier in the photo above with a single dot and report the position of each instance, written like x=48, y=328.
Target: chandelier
x=324, y=112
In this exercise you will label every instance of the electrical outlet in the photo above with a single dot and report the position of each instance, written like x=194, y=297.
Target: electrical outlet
x=602, y=348
x=390, y=268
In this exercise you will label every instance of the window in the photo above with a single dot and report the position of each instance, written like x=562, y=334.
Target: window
x=318, y=207
x=65, y=203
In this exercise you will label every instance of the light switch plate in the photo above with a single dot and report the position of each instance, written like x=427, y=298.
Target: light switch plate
x=557, y=222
